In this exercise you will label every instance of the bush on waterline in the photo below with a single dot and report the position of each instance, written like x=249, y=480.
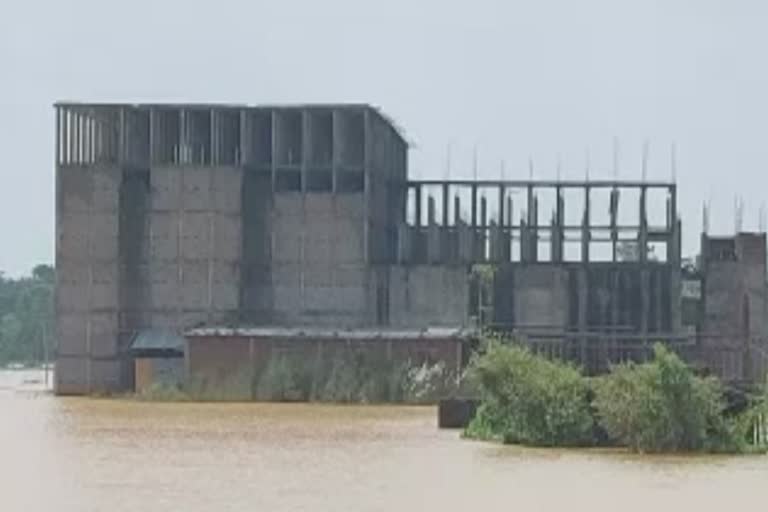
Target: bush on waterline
x=528, y=399
x=660, y=406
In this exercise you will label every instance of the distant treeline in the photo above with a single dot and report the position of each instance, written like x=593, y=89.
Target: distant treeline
x=26, y=316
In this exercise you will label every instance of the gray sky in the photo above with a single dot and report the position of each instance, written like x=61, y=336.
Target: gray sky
x=517, y=79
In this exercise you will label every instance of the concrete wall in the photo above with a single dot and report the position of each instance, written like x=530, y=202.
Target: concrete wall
x=426, y=295
x=734, y=302
x=195, y=244
x=540, y=296
x=87, y=284
x=319, y=273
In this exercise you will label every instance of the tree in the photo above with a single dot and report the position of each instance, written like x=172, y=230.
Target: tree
x=26, y=315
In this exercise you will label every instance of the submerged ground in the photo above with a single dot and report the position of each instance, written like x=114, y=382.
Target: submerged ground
x=83, y=455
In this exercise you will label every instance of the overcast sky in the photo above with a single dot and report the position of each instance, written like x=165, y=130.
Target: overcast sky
x=516, y=79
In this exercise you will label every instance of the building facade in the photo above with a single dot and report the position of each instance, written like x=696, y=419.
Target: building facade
x=176, y=217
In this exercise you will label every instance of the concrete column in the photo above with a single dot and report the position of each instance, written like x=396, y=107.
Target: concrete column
x=456, y=210
x=306, y=139
x=214, y=119
x=275, y=146
x=417, y=208
x=585, y=227
x=446, y=202
x=58, y=135
x=480, y=248
x=336, y=141
x=583, y=295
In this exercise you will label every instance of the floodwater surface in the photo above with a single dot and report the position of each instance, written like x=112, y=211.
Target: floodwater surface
x=78, y=455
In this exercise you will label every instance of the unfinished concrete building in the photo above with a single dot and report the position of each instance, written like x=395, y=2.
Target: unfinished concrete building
x=175, y=217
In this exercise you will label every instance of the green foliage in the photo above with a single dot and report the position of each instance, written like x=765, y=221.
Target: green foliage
x=26, y=316
x=662, y=406
x=528, y=399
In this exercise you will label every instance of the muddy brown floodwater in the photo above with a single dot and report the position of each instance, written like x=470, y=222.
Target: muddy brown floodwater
x=118, y=455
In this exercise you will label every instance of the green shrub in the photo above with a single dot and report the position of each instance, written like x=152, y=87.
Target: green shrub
x=662, y=406
x=529, y=400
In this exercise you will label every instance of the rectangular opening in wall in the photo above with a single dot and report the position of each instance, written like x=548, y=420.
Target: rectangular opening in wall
x=288, y=180
x=629, y=207
x=600, y=207
x=546, y=203
x=544, y=250
x=259, y=132
x=458, y=209
x=167, y=134
x=574, y=200
x=228, y=138
x=600, y=245
x=410, y=208
x=572, y=250
x=321, y=136
x=627, y=246
x=348, y=182
x=351, y=131
x=290, y=140
x=656, y=200
x=319, y=180
x=657, y=252
x=197, y=146
x=514, y=246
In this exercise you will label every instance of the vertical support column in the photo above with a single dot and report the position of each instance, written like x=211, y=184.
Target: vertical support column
x=214, y=138
x=306, y=143
x=70, y=121
x=152, y=136
x=122, y=138
x=643, y=235
x=57, y=136
x=242, y=157
x=586, y=232
x=614, y=222
x=446, y=202
x=473, y=220
x=275, y=146
x=642, y=248
x=456, y=210
x=557, y=228
x=336, y=150
x=417, y=207
x=483, y=238
x=367, y=181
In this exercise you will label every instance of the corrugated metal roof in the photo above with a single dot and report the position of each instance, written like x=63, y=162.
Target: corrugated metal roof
x=313, y=332
x=158, y=339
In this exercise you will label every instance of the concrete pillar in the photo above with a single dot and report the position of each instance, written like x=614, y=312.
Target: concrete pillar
x=57, y=136
x=404, y=243
x=585, y=227
x=482, y=237
x=456, y=210
x=417, y=207
x=445, y=204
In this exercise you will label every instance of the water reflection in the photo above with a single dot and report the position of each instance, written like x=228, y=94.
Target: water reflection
x=118, y=455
